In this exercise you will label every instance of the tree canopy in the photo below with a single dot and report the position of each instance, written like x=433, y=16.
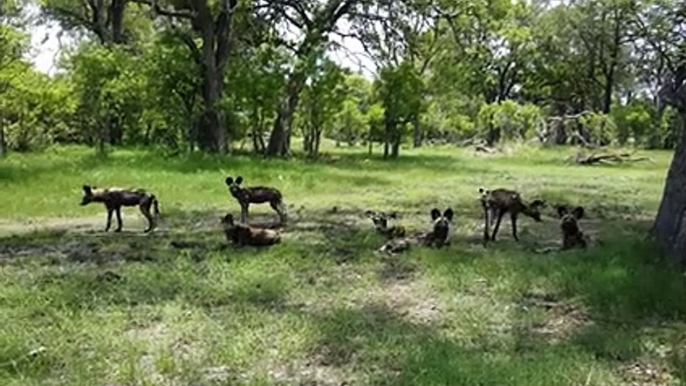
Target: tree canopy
x=208, y=75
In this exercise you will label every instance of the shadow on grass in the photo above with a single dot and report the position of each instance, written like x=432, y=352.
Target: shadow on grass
x=392, y=350
x=623, y=290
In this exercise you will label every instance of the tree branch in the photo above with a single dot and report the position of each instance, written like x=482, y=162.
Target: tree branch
x=223, y=32
x=183, y=14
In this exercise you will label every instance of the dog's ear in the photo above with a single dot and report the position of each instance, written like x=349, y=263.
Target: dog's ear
x=578, y=212
x=87, y=189
x=561, y=210
x=481, y=190
x=435, y=213
x=239, y=179
x=392, y=215
x=449, y=214
x=229, y=181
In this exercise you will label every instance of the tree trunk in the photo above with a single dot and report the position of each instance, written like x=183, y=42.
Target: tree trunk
x=116, y=17
x=212, y=136
x=395, y=149
x=102, y=138
x=216, y=35
x=654, y=139
x=670, y=223
x=2, y=137
x=609, y=86
x=387, y=139
x=417, y=132
x=279, y=140
x=317, y=141
x=307, y=141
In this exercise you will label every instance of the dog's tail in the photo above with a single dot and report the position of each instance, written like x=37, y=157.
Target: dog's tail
x=156, y=204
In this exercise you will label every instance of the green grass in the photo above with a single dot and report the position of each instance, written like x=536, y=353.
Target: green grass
x=323, y=307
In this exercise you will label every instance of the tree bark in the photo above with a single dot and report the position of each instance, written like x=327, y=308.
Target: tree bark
x=654, y=139
x=278, y=145
x=213, y=134
x=395, y=148
x=417, y=131
x=670, y=225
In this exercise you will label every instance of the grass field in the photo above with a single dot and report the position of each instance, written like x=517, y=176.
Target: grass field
x=179, y=307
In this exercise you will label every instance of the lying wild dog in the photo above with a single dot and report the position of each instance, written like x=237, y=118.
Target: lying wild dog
x=241, y=234
x=500, y=201
x=441, y=228
x=115, y=198
x=438, y=236
x=380, y=221
x=398, y=245
x=256, y=195
x=571, y=234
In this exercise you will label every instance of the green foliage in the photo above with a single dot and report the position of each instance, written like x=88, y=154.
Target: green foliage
x=508, y=121
x=253, y=83
x=323, y=98
x=110, y=89
x=488, y=68
x=633, y=122
x=600, y=128
x=399, y=89
x=172, y=92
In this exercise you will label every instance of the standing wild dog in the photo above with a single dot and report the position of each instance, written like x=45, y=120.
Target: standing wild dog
x=500, y=201
x=571, y=234
x=256, y=195
x=115, y=198
x=380, y=221
x=241, y=234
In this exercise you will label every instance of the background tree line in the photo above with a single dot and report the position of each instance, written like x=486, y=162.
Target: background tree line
x=215, y=75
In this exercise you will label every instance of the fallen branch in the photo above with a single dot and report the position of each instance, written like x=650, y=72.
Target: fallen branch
x=607, y=158
x=484, y=149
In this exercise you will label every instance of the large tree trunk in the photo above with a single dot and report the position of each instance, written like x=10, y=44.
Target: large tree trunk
x=116, y=18
x=279, y=140
x=670, y=227
x=216, y=38
x=213, y=134
x=670, y=223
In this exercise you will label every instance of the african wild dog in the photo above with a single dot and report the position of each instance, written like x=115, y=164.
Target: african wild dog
x=438, y=236
x=571, y=234
x=441, y=228
x=500, y=201
x=380, y=221
x=256, y=195
x=115, y=198
x=241, y=234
